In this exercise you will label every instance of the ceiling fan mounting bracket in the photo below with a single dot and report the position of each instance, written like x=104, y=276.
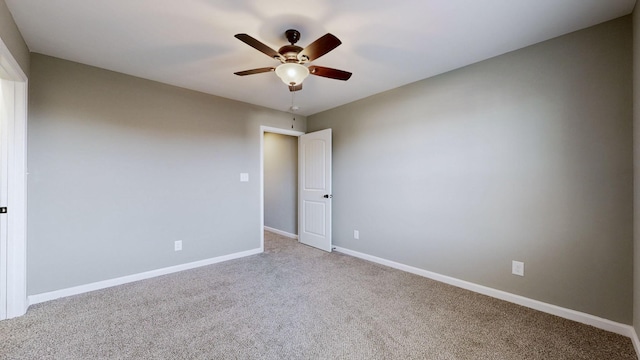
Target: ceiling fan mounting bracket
x=292, y=36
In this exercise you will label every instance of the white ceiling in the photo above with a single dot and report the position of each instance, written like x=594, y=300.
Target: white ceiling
x=386, y=44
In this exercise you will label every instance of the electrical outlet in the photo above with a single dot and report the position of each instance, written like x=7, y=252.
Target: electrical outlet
x=517, y=268
x=356, y=234
x=244, y=177
x=177, y=246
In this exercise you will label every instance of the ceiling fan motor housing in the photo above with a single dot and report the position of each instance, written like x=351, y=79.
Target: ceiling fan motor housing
x=290, y=52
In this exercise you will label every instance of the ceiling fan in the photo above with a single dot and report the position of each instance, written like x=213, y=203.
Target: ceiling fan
x=292, y=57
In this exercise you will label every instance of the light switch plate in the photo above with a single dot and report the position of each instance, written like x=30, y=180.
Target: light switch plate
x=517, y=268
x=244, y=177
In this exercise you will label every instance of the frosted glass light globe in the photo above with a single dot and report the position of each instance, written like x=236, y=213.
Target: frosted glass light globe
x=292, y=74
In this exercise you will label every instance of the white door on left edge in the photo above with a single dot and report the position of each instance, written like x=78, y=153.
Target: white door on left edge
x=6, y=100
x=314, y=188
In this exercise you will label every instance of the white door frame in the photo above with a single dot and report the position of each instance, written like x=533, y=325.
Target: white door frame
x=14, y=260
x=275, y=130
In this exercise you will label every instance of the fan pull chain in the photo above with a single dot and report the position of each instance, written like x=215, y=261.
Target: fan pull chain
x=292, y=108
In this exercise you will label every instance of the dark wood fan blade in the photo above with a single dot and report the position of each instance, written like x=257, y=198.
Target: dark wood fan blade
x=256, y=44
x=255, y=71
x=329, y=72
x=295, y=88
x=319, y=47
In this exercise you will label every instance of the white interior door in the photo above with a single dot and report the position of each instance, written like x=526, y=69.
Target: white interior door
x=13, y=194
x=6, y=103
x=314, y=189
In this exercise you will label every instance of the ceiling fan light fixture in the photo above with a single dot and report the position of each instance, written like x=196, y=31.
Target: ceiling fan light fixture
x=292, y=73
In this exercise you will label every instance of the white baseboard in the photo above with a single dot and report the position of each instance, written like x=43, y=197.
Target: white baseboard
x=280, y=232
x=52, y=295
x=601, y=323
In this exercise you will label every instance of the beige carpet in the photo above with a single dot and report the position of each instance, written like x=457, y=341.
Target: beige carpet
x=295, y=302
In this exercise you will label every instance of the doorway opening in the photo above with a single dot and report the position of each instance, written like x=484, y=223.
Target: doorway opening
x=281, y=184
x=279, y=202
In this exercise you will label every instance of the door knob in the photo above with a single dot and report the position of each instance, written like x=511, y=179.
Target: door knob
x=327, y=196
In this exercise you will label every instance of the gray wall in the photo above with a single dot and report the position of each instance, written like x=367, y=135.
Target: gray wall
x=526, y=156
x=121, y=167
x=281, y=182
x=12, y=38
